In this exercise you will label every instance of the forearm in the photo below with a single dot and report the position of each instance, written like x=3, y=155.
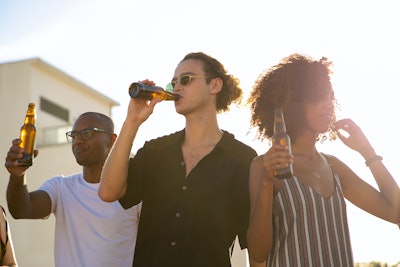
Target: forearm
x=113, y=180
x=18, y=197
x=388, y=187
x=260, y=232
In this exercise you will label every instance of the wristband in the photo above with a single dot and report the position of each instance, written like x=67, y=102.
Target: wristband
x=372, y=159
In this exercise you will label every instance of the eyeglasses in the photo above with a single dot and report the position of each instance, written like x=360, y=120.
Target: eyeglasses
x=183, y=80
x=84, y=134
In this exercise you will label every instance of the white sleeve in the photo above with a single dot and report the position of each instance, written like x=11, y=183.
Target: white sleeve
x=51, y=187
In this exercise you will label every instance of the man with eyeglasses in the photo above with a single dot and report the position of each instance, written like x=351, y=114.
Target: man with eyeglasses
x=89, y=231
x=193, y=183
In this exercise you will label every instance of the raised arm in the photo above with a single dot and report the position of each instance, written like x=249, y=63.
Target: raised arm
x=113, y=182
x=21, y=203
x=384, y=203
x=260, y=231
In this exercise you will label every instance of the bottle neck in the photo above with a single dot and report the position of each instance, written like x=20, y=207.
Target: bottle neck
x=171, y=96
x=279, y=127
x=29, y=119
x=279, y=122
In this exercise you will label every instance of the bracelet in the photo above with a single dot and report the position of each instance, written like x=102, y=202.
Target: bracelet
x=372, y=159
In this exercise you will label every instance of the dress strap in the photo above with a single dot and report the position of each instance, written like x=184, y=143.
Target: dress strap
x=335, y=176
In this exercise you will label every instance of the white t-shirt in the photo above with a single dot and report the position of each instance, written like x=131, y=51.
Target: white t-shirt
x=90, y=232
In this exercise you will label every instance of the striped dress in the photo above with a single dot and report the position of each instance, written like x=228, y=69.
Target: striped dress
x=309, y=230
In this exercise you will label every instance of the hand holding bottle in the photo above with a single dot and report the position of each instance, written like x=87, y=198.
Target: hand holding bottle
x=276, y=158
x=13, y=155
x=140, y=109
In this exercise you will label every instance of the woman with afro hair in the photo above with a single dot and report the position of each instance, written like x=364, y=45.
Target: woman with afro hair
x=302, y=221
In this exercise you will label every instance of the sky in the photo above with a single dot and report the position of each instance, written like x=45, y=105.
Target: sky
x=108, y=44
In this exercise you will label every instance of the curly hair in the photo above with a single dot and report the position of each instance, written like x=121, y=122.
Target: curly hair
x=295, y=81
x=230, y=92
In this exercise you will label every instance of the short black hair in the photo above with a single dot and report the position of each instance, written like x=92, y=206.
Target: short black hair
x=106, y=120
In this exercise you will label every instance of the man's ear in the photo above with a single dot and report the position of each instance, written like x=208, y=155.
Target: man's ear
x=113, y=138
x=216, y=85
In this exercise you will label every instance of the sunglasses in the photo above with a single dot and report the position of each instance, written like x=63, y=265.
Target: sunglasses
x=85, y=134
x=183, y=80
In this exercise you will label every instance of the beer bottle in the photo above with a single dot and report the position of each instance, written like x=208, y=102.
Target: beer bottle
x=28, y=135
x=139, y=90
x=282, y=138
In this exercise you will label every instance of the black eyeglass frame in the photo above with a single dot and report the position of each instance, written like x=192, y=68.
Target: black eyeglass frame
x=71, y=138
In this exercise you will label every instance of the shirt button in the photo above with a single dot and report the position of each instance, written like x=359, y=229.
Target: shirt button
x=177, y=215
x=184, y=187
x=182, y=163
x=173, y=244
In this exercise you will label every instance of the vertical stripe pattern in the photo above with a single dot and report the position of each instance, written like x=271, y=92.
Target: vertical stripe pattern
x=309, y=230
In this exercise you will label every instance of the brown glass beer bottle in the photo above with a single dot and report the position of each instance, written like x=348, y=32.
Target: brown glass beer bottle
x=28, y=136
x=144, y=91
x=282, y=138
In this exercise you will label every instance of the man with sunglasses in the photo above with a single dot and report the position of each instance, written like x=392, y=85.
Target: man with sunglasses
x=89, y=231
x=193, y=183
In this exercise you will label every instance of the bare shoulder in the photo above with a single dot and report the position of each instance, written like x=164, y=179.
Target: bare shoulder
x=344, y=172
x=257, y=171
x=257, y=160
x=2, y=212
x=334, y=161
x=257, y=163
x=2, y=224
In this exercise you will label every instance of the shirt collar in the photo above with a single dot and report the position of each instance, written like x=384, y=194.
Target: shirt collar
x=225, y=142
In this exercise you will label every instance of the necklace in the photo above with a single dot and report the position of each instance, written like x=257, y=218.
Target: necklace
x=316, y=173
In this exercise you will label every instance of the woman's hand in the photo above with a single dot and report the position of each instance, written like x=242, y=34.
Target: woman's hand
x=353, y=137
x=277, y=157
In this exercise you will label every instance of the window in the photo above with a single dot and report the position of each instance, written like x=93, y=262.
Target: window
x=52, y=136
x=54, y=109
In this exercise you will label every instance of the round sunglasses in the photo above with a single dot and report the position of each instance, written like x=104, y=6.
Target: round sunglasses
x=182, y=80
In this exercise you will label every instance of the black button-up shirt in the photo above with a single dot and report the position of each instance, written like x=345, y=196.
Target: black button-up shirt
x=189, y=221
